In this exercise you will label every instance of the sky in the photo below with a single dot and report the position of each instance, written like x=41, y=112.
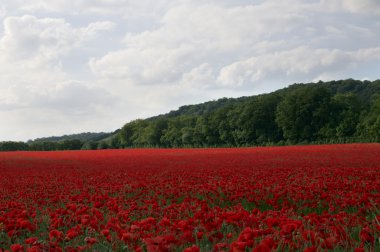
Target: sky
x=93, y=65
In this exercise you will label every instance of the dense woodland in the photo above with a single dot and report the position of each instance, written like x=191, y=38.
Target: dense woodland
x=324, y=112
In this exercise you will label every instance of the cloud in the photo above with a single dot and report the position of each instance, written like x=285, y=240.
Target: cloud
x=32, y=76
x=62, y=108
x=200, y=77
x=127, y=9
x=237, y=46
x=354, y=6
x=210, y=33
x=2, y=11
x=46, y=39
x=302, y=63
x=69, y=97
x=35, y=47
x=97, y=64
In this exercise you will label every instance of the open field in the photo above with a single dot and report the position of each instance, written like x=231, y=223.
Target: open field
x=306, y=198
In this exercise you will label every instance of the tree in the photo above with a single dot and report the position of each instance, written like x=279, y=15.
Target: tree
x=44, y=146
x=13, y=146
x=90, y=145
x=172, y=136
x=224, y=127
x=257, y=120
x=125, y=134
x=348, y=109
x=200, y=131
x=187, y=136
x=158, y=127
x=103, y=145
x=303, y=113
x=74, y=144
x=369, y=127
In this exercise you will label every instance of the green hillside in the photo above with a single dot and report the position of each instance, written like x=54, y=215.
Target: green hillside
x=324, y=112
x=87, y=136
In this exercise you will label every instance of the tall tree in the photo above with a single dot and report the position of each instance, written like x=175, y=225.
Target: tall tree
x=303, y=113
x=369, y=127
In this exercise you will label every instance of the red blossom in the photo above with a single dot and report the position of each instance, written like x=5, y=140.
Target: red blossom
x=366, y=236
x=90, y=240
x=297, y=198
x=193, y=248
x=31, y=240
x=17, y=248
x=55, y=235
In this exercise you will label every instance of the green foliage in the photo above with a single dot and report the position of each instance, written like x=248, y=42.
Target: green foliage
x=323, y=112
x=303, y=113
x=13, y=146
x=74, y=144
x=90, y=145
x=43, y=146
x=369, y=126
x=84, y=137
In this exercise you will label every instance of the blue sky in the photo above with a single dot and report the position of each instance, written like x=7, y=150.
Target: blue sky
x=93, y=65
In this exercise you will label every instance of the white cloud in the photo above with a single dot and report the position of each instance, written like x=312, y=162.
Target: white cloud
x=35, y=47
x=247, y=44
x=74, y=97
x=128, y=9
x=46, y=39
x=2, y=11
x=355, y=6
x=32, y=76
x=208, y=33
x=62, y=108
x=63, y=60
x=201, y=77
x=302, y=63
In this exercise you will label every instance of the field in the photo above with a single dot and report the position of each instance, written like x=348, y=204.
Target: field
x=301, y=198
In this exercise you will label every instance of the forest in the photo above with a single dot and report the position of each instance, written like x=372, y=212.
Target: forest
x=324, y=112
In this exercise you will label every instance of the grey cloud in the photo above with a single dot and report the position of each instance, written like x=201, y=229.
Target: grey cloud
x=2, y=11
x=354, y=6
x=200, y=77
x=158, y=55
x=208, y=33
x=272, y=35
x=67, y=98
x=46, y=38
x=32, y=49
x=125, y=8
x=301, y=63
x=74, y=97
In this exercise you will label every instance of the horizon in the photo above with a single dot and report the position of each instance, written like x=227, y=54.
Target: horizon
x=96, y=68
x=112, y=131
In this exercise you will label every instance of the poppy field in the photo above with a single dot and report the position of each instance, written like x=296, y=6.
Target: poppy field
x=297, y=198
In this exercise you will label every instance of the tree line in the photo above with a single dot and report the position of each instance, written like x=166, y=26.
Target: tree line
x=324, y=112
x=74, y=144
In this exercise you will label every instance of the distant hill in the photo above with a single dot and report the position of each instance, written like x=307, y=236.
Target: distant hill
x=87, y=136
x=324, y=112
x=199, y=109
